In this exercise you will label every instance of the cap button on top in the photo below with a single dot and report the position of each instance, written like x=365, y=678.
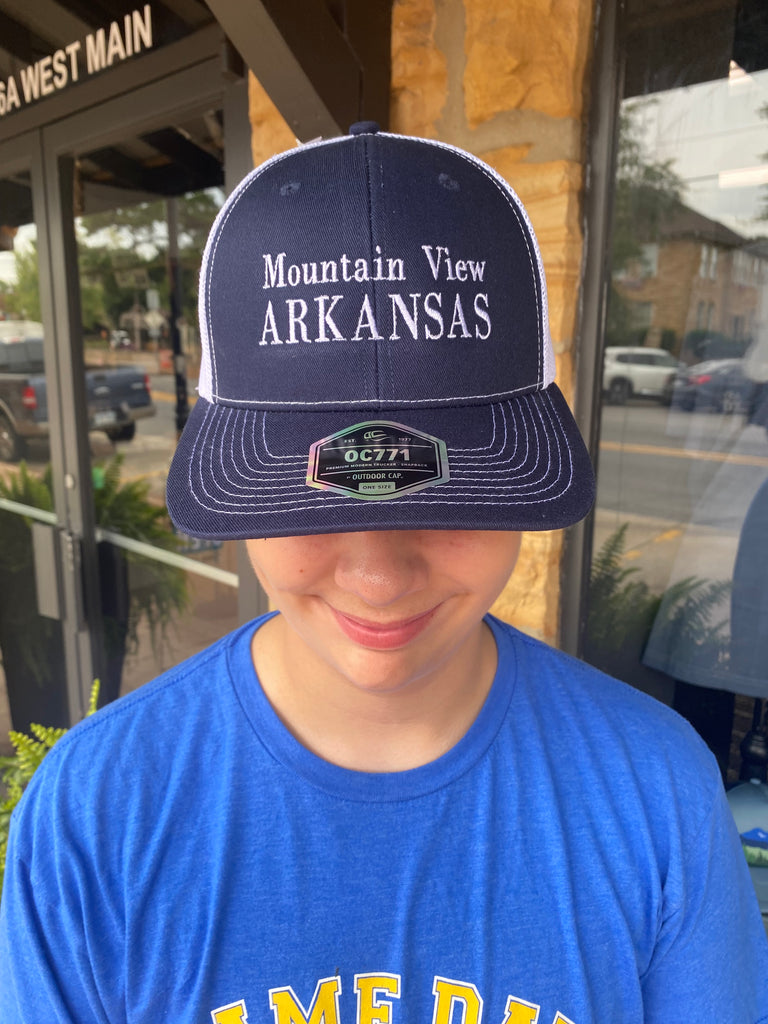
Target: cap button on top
x=364, y=128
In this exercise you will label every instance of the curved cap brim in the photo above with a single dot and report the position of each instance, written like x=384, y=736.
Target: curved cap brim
x=519, y=464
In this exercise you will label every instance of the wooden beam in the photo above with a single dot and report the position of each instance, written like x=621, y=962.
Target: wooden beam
x=368, y=26
x=48, y=19
x=202, y=165
x=301, y=57
x=16, y=40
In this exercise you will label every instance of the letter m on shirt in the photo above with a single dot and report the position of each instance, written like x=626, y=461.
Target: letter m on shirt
x=324, y=1008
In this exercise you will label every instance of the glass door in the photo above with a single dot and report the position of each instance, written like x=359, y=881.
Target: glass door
x=98, y=288
x=32, y=657
x=144, y=206
x=148, y=177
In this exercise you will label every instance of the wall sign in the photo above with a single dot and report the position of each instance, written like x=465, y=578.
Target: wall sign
x=123, y=38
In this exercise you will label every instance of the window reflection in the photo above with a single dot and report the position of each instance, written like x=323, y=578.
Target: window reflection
x=679, y=582
x=139, y=266
x=32, y=684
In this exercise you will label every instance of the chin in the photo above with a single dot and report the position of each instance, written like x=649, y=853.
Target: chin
x=384, y=672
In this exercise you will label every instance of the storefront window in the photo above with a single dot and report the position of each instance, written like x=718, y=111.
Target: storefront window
x=678, y=600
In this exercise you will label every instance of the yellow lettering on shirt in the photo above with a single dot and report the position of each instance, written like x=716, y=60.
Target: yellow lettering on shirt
x=520, y=1012
x=324, y=1007
x=371, y=1007
x=232, y=1013
x=456, y=1002
x=449, y=994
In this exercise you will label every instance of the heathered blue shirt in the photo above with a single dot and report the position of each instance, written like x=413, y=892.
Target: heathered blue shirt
x=180, y=857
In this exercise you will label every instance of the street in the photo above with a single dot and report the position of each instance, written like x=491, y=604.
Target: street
x=657, y=461
x=682, y=482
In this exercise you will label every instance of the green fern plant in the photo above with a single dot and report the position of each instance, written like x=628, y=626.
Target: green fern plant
x=622, y=610
x=124, y=507
x=685, y=620
x=138, y=594
x=17, y=769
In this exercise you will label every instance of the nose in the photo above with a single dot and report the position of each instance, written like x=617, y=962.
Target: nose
x=381, y=567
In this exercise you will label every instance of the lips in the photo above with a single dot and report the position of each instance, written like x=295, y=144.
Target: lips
x=383, y=636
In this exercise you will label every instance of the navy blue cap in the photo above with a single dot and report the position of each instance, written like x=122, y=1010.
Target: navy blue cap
x=364, y=128
x=376, y=353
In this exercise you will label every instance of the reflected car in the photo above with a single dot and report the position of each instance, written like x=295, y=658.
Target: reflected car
x=117, y=396
x=718, y=385
x=638, y=371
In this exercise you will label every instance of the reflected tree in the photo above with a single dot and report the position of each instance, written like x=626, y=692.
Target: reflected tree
x=127, y=238
x=646, y=192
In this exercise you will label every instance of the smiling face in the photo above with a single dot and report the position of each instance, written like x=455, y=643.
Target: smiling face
x=384, y=611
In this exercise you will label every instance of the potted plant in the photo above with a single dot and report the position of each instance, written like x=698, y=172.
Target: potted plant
x=135, y=591
x=17, y=769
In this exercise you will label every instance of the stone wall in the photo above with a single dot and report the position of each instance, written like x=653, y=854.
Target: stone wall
x=505, y=81
x=269, y=132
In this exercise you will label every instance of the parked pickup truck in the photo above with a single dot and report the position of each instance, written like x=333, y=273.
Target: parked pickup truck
x=117, y=397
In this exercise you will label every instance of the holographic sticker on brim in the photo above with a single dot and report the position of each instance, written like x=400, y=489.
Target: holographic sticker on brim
x=377, y=460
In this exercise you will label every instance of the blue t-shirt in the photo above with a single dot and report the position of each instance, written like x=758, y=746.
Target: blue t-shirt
x=181, y=857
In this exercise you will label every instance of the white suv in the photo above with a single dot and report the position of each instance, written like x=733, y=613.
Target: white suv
x=638, y=371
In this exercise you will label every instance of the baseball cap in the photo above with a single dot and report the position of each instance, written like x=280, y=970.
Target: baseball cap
x=375, y=353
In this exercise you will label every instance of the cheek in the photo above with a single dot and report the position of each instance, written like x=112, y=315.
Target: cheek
x=287, y=564
x=485, y=561
x=486, y=548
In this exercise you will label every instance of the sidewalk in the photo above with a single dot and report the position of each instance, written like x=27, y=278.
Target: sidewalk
x=653, y=544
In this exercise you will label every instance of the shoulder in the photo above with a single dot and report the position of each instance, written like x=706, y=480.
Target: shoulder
x=625, y=773
x=192, y=682
x=545, y=672
x=604, y=725
x=138, y=743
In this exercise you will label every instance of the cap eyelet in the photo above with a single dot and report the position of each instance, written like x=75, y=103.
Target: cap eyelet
x=449, y=183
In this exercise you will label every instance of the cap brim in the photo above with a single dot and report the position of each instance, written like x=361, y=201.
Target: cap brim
x=519, y=464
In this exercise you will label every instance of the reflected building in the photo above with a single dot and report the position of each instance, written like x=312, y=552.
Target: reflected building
x=695, y=289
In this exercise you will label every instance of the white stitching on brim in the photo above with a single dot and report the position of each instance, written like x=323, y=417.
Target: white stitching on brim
x=292, y=476
x=408, y=403
x=508, y=492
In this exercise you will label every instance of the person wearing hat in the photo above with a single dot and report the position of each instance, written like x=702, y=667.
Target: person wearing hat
x=379, y=804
